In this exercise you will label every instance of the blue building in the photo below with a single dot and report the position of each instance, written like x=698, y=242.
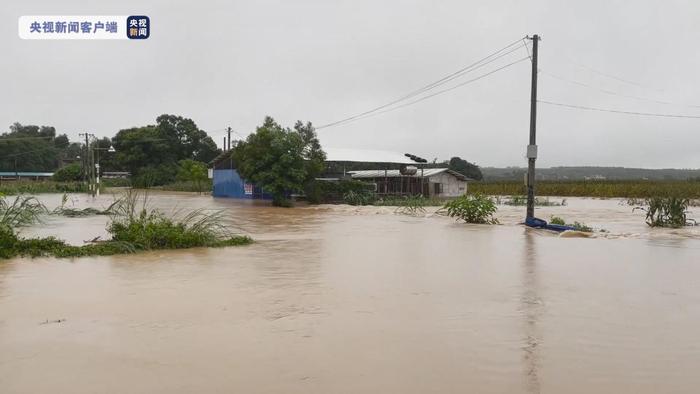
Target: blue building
x=227, y=182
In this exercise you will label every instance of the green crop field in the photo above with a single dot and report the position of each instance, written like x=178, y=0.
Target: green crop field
x=624, y=189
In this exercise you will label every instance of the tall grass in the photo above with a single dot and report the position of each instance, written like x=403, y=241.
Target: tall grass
x=22, y=211
x=133, y=225
x=37, y=187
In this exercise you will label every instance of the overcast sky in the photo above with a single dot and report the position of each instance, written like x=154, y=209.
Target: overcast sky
x=230, y=63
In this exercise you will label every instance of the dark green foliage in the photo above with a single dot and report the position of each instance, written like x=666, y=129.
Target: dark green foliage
x=201, y=187
x=666, y=211
x=151, y=153
x=281, y=160
x=193, y=172
x=471, y=208
x=31, y=148
x=151, y=176
x=465, y=168
x=70, y=173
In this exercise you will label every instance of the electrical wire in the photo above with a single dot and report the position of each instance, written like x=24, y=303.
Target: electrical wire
x=473, y=66
x=445, y=90
x=636, y=113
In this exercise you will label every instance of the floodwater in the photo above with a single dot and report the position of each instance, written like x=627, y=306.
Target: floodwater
x=339, y=299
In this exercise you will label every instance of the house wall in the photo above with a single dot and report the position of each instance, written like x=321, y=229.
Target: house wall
x=451, y=185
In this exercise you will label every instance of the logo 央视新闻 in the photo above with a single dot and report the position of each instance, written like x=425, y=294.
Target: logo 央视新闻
x=138, y=27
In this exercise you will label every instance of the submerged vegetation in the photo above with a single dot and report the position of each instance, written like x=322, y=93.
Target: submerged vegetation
x=411, y=205
x=471, y=208
x=667, y=212
x=522, y=201
x=598, y=188
x=133, y=226
x=578, y=226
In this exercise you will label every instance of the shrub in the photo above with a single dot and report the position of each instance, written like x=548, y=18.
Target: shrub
x=557, y=220
x=472, y=208
x=70, y=173
x=666, y=211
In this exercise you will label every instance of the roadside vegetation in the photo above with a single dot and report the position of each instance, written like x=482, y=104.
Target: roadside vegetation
x=133, y=226
x=603, y=189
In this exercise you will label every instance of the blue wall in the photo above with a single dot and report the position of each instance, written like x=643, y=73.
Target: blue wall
x=228, y=183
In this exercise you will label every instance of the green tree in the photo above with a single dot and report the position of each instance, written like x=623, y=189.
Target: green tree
x=279, y=159
x=151, y=153
x=192, y=171
x=465, y=168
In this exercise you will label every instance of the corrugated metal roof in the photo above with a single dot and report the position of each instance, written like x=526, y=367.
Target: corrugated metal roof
x=368, y=156
x=427, y=172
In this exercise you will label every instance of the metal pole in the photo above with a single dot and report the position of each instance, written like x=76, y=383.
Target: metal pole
x=229, y=138
x=532, y=147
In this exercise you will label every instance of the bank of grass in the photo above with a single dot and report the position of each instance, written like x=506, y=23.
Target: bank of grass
x=133, y=226
x=603, y=189
x=12, y=188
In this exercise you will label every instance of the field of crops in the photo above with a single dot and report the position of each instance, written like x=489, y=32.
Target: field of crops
x=624, y=189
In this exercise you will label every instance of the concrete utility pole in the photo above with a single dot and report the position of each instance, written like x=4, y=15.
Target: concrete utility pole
x=87, y=167
x=532, y=146
x=229, y=138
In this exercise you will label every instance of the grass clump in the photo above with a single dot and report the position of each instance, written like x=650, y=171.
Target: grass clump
x=471, y=208
x=133, y=226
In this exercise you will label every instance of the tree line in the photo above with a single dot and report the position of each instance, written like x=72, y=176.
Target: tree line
x=153, y=154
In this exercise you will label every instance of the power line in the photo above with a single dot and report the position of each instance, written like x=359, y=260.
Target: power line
x=445, y=90
x=476, y=65
x=636, y=113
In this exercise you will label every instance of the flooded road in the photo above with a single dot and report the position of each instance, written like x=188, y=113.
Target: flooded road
x=339, y=299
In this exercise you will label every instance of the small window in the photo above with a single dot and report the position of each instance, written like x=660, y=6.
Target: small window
x=437, y=188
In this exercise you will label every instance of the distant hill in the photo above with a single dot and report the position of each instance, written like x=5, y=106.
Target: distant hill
x=590, y=173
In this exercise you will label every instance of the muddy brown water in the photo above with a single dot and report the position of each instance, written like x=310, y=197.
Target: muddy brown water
x=339, y=299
